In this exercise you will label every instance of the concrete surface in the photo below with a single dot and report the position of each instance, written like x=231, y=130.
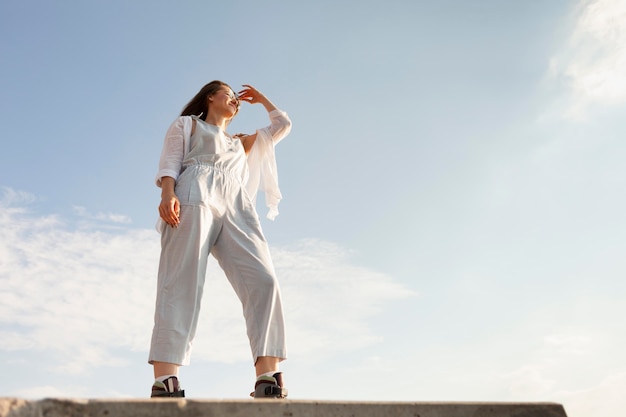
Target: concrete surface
x=15, y=407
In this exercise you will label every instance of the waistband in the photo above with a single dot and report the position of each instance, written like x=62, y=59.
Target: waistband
x=209, y=163
x=200, y=160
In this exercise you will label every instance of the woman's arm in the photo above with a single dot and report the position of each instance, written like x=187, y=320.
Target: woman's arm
x=169, y=209
x=170, y=166
x=251, y=95
x=280, y=123
x=171, y=161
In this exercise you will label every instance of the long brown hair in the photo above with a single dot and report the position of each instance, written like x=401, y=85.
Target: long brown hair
x=199, y=104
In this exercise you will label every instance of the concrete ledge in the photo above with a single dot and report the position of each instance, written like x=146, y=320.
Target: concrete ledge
x=15, y=407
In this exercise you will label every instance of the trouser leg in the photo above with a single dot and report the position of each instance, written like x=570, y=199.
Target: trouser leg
x=182, y=270
x=244, y=255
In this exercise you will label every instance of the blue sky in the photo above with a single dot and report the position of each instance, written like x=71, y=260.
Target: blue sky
x=452, y=222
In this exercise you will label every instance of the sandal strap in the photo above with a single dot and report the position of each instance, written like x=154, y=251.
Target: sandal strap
x=276, y=391
x=267, y=390
x=165, y=394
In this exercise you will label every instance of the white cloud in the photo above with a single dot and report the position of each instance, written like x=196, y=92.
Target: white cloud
x=81, y=297
x=329, y=299
x=12, y=197
x=528, y=382
x=47, y=391
x=567, y=344
x=593, y=63
x=605, y=399
x=575, y=368
x=101, y=216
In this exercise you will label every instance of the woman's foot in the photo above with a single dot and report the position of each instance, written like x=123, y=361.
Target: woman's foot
x=269, y=387
x=167, y=388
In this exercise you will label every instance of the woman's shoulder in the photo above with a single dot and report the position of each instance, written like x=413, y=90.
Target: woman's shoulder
x=183, y=121
x=182, y=125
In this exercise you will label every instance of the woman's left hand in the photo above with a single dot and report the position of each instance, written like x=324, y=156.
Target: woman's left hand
x=251, y=95
x=246, y=140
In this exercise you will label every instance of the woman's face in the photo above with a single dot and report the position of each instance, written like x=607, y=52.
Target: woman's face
x=225, y=101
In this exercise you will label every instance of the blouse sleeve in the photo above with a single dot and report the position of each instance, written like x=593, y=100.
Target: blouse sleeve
x=262, y=169
x=280, y=125
x=172, y=154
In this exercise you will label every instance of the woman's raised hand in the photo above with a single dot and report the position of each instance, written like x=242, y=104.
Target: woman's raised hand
x=251, y=95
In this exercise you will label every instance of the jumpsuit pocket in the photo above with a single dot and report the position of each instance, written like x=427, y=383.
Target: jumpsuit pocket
x=193, y=185
x=247, y=207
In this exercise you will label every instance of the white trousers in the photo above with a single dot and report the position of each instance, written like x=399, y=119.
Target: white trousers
x=221, y=221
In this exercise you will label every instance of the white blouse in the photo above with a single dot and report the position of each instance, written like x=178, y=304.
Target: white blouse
x=263, y=174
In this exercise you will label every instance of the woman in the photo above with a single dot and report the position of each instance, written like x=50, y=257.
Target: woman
x=209, y=181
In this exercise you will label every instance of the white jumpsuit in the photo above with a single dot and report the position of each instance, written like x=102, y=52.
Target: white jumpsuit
x=217, y=217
